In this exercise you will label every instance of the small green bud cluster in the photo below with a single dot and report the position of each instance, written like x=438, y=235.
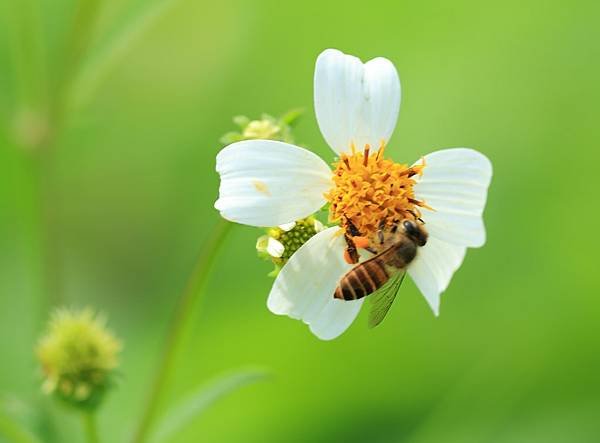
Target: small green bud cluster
x=78, y=356
x=266, y=128
x=281, y=242
x=291, y=240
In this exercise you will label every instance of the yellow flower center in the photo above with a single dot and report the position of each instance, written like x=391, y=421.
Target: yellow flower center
x=371, y=191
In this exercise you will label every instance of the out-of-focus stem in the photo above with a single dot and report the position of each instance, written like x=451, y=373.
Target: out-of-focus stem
x=99, y=66
x=46, y=201
x=27, y=53
x=75, y=48
x=90, y=427
x=41, y=141
x=179, y=323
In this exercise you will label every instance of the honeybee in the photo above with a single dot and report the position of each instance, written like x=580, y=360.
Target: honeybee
x=381, y=275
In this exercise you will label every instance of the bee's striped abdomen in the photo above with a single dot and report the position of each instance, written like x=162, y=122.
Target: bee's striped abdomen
x=362, y=280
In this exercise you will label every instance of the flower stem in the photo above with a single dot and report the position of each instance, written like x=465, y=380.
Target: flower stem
x=179, y=323
x=76, y=47
x=99, y=66
x=43, y=152
x=90, y=428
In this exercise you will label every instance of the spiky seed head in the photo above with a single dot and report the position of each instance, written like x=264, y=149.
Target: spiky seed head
x=78, y=356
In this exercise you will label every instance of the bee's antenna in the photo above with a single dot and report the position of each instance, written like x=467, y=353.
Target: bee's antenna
x=415, y=216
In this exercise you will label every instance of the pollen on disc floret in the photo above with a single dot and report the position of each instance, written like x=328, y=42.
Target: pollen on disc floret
x=370, y=189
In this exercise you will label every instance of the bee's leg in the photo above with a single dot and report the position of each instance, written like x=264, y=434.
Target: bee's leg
x=350, y=254
x=394, y=227
x=380, y=236
x=352, y=229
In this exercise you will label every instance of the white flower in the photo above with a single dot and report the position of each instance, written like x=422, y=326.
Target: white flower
x=269, y=183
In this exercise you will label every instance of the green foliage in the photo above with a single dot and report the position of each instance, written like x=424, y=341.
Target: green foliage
x=128, y=202
x=13, y=430
x=196, y=403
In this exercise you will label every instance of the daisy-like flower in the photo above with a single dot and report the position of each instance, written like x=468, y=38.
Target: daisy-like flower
x=270, y=183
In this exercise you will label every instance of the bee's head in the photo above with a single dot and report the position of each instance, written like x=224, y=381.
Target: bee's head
x=415, y=231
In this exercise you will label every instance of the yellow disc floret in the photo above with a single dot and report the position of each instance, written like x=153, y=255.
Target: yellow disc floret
x=371, y=191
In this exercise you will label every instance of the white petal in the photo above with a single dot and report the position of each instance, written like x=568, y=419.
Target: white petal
x=274, y=247
x=287, y=226
x=355, y=102
x=262, y=242
x=304, y=288
x=269, y=183
x=454, y=184
x=433, y=268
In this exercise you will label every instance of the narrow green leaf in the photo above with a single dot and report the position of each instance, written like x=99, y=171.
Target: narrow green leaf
x=14, y=431
x=192, y=406
x=291, y=117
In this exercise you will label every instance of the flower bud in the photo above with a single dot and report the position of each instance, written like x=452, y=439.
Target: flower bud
x=261, y=129
x=265, y=128
x=280, y=243
x=78, y=356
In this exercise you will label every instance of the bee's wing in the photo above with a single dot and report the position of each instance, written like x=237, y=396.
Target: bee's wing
x=382, y=299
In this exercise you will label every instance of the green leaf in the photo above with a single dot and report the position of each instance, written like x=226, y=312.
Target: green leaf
x=231, y=137
x=192, y=406
x=14, y=431
x=291, y=117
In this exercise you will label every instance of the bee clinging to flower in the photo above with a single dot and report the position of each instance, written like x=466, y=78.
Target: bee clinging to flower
x=397, y=218
x=382, y=274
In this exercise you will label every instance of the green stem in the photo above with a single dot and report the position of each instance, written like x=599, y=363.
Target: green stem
x=46, y=226
x=77, y=45
x=27, y=54
x=52, y=110
x=179, y=323
x=90, y=427
x=99, y=66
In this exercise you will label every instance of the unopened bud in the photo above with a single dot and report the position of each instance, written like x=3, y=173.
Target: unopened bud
x=78, y=357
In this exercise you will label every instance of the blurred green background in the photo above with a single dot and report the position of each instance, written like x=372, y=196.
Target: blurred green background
x=116, y=213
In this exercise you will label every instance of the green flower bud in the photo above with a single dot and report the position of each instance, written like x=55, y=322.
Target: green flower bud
x=280, y=243
x=78, y=356
x=265, y=128
x=261, y=129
